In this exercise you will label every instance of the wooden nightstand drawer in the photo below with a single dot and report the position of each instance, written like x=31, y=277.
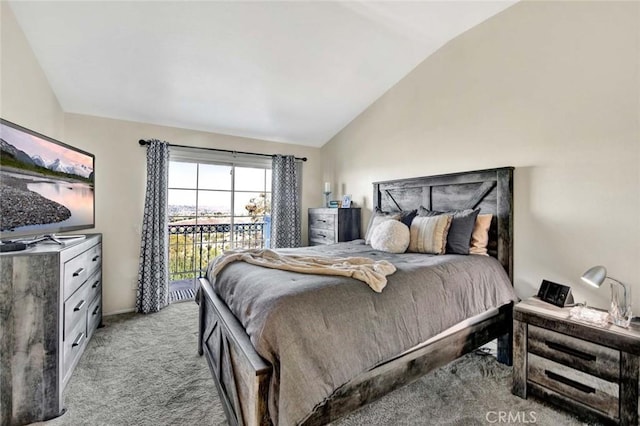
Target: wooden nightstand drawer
x=321, y=236
x=581, y=387
x=322, y=221
x=585, y=356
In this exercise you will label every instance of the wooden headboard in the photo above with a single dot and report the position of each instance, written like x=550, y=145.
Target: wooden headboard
x=490, y=190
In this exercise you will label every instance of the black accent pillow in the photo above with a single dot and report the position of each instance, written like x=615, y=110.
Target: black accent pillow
x=407, y=216
x=461, y=228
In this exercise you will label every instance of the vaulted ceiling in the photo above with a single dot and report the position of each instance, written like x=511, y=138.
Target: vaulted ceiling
x=294, y=72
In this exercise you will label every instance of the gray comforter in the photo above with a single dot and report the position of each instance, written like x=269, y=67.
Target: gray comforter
x=318, y=332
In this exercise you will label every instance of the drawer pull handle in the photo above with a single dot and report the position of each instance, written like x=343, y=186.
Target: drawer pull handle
x=95, y=311
x=322, y=235
x=78, y=306
x=78, y=272
x=78, y=340
x=96, y=257
x=322, y=220
x=569, y=382
x=570, y=351
x=95, y=284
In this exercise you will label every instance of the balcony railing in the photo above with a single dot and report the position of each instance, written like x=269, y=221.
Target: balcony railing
x=191, y=247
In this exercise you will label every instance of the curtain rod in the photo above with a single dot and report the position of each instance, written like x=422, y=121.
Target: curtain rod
x=142, y=142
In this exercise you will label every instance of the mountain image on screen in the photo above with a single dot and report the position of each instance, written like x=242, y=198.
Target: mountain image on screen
x=44, y=184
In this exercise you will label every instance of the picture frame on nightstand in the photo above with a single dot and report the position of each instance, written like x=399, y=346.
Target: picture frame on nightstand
x=346, y=201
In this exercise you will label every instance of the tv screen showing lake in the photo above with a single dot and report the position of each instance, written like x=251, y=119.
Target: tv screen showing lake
x=45, y=203
x=46, y=186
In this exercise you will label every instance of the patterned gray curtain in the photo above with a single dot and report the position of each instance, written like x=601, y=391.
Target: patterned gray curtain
x=153, y=273
x=286, y=217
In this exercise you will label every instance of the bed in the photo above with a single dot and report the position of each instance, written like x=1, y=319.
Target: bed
x=250, y=386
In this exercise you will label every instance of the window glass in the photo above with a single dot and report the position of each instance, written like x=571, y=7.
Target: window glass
x=249, y=204
x=214, y=207
x=183, y=175
x=268, y=185
x=181, y=205
x=249, y=179
x=214, y=204
x=214, y=176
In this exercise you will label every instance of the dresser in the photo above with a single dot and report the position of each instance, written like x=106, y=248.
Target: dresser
x=50, y=306
x=328, y=226
x=589, y=370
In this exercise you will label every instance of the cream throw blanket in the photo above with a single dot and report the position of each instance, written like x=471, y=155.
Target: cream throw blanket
x=374, y=273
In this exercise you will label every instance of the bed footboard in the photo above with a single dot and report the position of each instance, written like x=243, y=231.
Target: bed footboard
x=241, y=375
x=398, y=372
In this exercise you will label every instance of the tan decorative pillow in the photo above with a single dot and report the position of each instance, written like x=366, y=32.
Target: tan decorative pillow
x=429, y=234
x=480, y=235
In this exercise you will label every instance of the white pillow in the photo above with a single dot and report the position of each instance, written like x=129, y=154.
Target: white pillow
x=376, y=219
x=391, y=236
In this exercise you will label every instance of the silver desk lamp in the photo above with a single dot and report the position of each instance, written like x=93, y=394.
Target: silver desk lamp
x=620, y=309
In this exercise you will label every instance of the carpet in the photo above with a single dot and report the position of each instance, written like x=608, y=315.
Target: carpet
x=144, y=370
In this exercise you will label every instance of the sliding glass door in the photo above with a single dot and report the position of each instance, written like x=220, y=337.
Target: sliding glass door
x=215, y=207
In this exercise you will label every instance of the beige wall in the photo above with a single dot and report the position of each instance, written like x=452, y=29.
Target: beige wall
x=26, y=97
x=551, y=88
x=120, y=187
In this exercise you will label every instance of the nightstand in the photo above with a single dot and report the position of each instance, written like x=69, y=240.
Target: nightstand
x=328, y=226
x=589, y=370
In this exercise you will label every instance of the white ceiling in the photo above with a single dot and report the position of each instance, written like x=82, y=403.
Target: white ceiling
x=294, y=72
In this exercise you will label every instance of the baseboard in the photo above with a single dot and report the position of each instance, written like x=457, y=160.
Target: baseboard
x=123, y=311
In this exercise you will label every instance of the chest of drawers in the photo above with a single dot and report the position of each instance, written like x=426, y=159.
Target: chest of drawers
x=590, y=370
x=329, y=226
x=50, y=306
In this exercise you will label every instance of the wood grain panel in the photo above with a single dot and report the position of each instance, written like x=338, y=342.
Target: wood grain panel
x=585, y=412
x=629, y=369
x=241, y=375
x=322, y=220
x=519, y=384
x=585, y=356
x=574, y=384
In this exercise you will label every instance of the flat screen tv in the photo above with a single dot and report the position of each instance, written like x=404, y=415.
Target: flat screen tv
x=46, y=186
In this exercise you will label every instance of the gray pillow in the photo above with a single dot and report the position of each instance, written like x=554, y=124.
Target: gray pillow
x=459, y=236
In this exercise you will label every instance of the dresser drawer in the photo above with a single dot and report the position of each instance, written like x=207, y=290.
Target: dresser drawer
x=322, y=221
x=94, y=315
x=75, y=311
x=79, y=268
x=321, y=236
x=94, y=285
x=74, y=345
x=591, y=358
x=581, y=387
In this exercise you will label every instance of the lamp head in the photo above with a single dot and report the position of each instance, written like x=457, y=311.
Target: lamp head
x=595, y=276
